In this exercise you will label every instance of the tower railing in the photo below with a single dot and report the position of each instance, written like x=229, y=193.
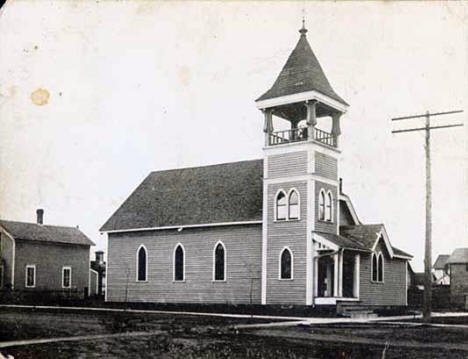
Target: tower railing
x=301, y=134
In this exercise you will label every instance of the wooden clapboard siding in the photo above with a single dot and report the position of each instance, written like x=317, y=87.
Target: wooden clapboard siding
x=326, y=226
x=49, y=258
x=287, y=164
x=243, y=259
x=326, y=166
x=393, y=290
x=458, y=282
x=293, y=235
x=6, y=259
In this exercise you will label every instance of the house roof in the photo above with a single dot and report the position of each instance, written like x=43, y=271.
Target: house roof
x=441, y=261
x=368, y=234
x=229, y=192
x=45, y=233
x=458, y=256
x=301, y=73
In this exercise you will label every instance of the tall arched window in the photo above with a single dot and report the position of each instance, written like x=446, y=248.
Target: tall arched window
x=329, y=207
x=179, y=272
x=219, y=262
x=281, y=206
x=286, y=263
x=142, y=263
x=380, y=267
x=293, y=205
x=322, y=205
x=377, y=267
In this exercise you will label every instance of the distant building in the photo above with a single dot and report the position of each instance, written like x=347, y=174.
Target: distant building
x=37, y=257
x=277, y=230
x=457, y=266
x=442, y=277
x=97, y=275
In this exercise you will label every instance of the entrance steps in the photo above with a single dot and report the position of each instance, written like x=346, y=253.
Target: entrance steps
x=355, y=310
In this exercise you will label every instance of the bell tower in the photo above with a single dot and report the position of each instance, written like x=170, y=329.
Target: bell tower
x=302, y=116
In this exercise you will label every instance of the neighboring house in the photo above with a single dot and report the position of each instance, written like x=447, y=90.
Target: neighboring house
x=278, y=230
x=39, y=257
x=442, y=277
x=97, y=275
x=457, y=266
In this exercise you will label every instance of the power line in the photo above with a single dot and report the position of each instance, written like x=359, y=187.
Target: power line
x=428, y=242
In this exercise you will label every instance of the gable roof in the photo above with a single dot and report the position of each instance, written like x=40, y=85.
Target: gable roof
x=343, y=242
x=229, y=192
x=301, y=73
x=441, y=261
x=45, y=233
x=459, y=256
x=369, y=235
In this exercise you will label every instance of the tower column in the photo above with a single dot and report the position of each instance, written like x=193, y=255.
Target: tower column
x=268, y=125
x=311, y=117
x=336, y=131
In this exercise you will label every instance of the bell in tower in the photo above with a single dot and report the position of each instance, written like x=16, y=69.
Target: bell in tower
x=302, y=96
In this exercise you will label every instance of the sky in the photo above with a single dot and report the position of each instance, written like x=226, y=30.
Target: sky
x=96, y=94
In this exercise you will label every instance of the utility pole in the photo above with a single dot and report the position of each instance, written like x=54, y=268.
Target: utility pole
x=428, y=243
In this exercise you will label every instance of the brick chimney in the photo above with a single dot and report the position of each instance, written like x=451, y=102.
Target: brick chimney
x=40, y=216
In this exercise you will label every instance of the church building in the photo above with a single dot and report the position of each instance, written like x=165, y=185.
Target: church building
x=277, y=230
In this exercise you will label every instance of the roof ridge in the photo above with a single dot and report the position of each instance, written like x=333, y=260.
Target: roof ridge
x=38, y=224
x=204, y=166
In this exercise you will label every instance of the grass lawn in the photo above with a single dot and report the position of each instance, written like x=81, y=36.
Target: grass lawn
x=213, y=337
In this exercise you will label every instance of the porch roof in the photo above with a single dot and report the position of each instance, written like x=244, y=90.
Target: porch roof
x=344, y=242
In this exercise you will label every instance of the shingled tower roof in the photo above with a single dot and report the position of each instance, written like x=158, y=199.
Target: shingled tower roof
x=301, y=73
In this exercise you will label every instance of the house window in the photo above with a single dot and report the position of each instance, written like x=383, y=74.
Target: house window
x=329, y=207
x=286, y=264
x=66, y=277
x=142, y=264
x=219, y=262
x=377, y=267
x=281, y=206
x=30, y=276
x=179, y=263
x=321, y=213
x=293, y=205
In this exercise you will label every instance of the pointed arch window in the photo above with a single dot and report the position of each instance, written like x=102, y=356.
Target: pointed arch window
x=293, y=205
x=179, y=263
x=329, y=207
x=281, y=206
x=377, y=267
x=142, y=264
x=219, y=270
x=321, y=212
x=286, y=264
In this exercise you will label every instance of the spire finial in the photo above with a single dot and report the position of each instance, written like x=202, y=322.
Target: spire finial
x=303, y=30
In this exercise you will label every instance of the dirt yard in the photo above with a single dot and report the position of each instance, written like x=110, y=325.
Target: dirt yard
x=180, y=336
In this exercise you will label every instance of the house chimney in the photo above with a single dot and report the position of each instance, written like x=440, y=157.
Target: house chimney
x=341, y=185
x=40, y=216
x=99, y=256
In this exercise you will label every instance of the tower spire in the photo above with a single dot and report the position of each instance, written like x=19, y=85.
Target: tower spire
x=303, y=30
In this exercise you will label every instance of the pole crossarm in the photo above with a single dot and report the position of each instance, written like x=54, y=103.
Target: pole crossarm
x=425, y=115
x=427, y=128
x=428, y=235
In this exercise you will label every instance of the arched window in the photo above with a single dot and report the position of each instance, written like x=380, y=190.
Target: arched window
x=322, y=205
x=377, y=267
x=380, y=267
x=374, y=267
x=281, y=206
x=142, y=264
x=286, y=263
x=329, y=207
x=179, y=254
x=219, y=262
x=293, y=205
